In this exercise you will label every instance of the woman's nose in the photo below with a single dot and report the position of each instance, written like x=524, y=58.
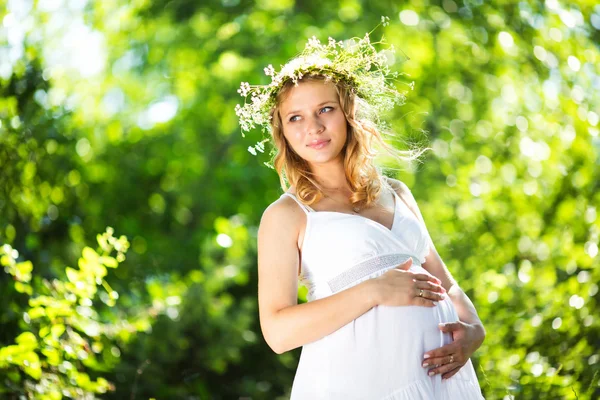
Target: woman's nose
x=315, y=125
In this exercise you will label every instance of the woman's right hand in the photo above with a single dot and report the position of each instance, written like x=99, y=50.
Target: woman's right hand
x=401, y=287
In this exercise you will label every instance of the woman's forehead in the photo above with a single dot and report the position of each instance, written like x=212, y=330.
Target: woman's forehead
x=309, y=94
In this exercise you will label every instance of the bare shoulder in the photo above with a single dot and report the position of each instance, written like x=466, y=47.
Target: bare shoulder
x=283, y=216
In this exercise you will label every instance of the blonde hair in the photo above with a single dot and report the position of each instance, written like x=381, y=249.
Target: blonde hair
x=363, y=176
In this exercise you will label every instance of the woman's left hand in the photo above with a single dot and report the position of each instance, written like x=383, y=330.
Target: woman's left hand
x=447, y=360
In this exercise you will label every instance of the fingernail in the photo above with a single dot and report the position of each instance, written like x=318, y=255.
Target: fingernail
x=431, y=373
x=427, y=356
x=425, y=364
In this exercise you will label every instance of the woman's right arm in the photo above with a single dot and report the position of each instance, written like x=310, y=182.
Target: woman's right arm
x=286, y=324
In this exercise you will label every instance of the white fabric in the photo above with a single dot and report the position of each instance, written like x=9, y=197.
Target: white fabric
x=378, y=355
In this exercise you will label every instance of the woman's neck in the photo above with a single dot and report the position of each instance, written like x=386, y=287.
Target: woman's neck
x=330, y=176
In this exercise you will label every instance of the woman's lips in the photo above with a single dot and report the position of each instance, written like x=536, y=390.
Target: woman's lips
x=320, y=145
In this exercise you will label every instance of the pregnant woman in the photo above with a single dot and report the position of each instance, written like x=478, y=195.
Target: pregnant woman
x=384, y=317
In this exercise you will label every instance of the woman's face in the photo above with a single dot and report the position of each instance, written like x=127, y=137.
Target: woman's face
x=313, y=122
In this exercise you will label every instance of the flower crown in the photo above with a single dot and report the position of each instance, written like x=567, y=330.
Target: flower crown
x=354, y=61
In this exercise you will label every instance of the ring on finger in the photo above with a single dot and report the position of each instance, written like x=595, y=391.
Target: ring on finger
x=451, y=358
x=421, y=293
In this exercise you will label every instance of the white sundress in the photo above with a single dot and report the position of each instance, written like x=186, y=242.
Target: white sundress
x=378, y=355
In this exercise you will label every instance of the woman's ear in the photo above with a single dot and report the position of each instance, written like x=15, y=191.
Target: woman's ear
x=276, y=119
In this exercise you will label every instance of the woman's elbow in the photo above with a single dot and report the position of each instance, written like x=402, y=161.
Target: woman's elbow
x=275, y=345
x=272, y=339
x=278, y=350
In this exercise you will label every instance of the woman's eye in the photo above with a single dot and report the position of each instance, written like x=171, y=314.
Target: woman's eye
x=327, y=109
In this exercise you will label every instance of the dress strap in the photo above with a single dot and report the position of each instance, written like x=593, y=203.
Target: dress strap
x=399, y=198
x=305, y=208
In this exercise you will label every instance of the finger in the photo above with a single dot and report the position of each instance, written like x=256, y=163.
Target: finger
x=429, y=286
x=439, y=361
x=427, y=294
x=443, y=351
x=425, y=277
x=442, y=369
x=450, y=326
x=451, y=359
x=408, y=262
x=450, y=374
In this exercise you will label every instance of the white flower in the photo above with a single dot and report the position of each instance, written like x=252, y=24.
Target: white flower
x=270, y=71
x=313, y=60
x=313, y=42
x=244, y=89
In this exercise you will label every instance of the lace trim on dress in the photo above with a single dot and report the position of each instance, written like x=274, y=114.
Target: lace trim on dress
x=366, y=268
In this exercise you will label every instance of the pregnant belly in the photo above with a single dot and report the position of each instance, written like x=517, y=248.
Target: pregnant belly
x=382, y=348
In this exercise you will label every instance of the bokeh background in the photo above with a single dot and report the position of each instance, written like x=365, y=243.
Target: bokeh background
x=129, y=202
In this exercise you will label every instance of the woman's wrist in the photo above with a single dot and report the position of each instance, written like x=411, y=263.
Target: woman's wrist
x=372, y=292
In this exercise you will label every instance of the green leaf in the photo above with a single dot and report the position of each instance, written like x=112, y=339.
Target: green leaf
x=90, y=254
x=36, y=312
x=24, y=271
x=57, y=330
x=44, y=331
x=26, y=338
x=72, y=274
x=23, y=288
x=53, y=356
x=109, y=262
x=31, y=365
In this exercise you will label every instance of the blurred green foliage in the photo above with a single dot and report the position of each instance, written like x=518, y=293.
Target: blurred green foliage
x=121, y=114
x=65, y=333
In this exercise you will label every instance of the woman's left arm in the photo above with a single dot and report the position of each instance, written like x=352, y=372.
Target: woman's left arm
x=468, y=333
